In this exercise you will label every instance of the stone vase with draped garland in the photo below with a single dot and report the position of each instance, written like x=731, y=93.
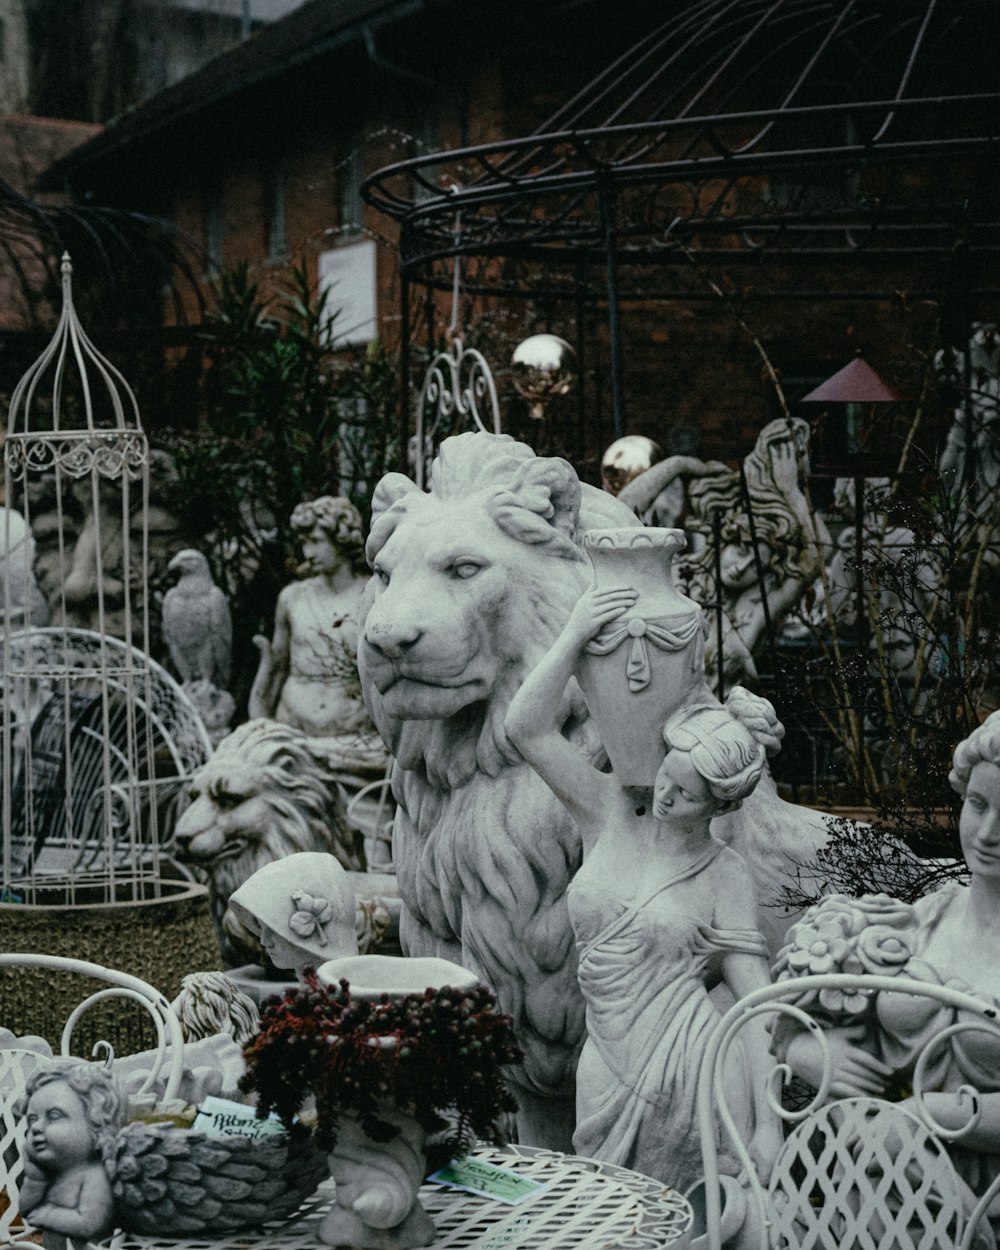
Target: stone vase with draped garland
x=642, y=667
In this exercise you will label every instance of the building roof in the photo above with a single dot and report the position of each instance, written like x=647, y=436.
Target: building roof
x=317, y=28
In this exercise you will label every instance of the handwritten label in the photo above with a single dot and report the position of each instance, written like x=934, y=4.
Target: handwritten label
x=487, y=1180
x=218, y=1117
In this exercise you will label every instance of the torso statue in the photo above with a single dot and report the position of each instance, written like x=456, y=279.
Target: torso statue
x=321, y=694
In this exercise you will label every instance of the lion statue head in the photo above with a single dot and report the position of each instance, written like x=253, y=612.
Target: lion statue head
x=471, y=584
x=265, y=793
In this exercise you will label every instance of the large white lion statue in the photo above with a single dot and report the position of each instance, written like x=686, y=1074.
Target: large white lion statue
x=472, y=582
x=265, y=793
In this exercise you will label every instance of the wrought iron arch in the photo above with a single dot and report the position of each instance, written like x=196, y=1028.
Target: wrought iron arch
x=807, y=148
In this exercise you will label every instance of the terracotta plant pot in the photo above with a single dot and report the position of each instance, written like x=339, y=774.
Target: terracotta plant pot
x=376, y=1204
x=641, y=667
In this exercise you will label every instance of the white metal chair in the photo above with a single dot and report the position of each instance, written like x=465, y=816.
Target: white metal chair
x=17, y=1064
x=854, y=1173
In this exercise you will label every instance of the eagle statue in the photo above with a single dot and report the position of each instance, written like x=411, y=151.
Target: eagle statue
x=197, y=624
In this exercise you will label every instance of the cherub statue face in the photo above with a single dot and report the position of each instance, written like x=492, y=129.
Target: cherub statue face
x=979, y=823
x=59, y=1135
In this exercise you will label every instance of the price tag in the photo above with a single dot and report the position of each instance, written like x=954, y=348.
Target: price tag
x=487, y=1180
x=218, y=1117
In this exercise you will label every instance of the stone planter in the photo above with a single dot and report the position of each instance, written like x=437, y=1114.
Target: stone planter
x=376, y=1204
x=371, y=976
x=640, y=668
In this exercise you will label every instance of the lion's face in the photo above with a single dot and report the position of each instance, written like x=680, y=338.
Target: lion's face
x=224, y=818
x=227, y=819
x=265, y=793
x=433, y=640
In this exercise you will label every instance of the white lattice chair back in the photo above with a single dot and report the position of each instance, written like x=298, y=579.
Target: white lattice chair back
x=15, y=1068
x=16, y=1065
x=864, y=1173
x=854, y=1173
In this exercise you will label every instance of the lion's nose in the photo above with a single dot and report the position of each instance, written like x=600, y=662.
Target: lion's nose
x=393, y=639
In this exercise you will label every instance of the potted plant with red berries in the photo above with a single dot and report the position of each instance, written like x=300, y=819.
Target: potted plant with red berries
x=386, y=1071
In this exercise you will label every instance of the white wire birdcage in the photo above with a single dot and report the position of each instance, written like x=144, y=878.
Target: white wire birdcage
x=89, y=722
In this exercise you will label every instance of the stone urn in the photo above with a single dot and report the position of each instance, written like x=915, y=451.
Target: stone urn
x=378, y=1182
x=644, y=666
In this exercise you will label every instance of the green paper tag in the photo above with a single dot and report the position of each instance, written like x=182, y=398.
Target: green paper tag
x=218, y=1117
x=487, y=1180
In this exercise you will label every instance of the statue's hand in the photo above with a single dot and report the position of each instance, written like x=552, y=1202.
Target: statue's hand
x=784, y=464
x=595, y=609
x=263, y=645
x=853, y=1071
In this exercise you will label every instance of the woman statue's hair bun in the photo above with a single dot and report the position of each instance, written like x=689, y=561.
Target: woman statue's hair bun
x=757, y=715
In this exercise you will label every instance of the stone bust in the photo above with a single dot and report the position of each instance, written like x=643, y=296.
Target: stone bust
x=301, y=908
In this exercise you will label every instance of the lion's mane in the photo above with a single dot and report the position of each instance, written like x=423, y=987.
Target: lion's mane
x=289, y=772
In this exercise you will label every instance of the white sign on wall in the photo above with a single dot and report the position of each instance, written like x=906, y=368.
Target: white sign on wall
x=348, y=273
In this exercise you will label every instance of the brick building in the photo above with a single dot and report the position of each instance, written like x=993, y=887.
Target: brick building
x=261, y=154
x=28, y=147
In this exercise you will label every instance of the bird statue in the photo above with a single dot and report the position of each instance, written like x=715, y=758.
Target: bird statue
x=197, y=624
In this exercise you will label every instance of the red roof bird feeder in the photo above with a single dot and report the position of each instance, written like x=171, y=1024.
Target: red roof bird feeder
x=856, y=383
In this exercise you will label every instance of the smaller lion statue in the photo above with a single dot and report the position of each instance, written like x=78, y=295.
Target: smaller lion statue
x=266, y=792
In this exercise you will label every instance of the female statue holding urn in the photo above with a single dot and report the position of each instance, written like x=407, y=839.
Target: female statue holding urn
x=661, y=911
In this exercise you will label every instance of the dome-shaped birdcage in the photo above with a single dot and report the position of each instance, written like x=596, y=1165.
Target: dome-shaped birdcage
x=96, y=737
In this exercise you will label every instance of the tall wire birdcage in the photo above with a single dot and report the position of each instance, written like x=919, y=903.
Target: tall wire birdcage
x=83, y=709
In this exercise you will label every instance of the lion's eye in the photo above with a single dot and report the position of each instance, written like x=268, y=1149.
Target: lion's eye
x=381, y=574
x=465, y=569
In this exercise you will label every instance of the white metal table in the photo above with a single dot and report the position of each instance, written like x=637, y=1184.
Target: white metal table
x=586, y=1205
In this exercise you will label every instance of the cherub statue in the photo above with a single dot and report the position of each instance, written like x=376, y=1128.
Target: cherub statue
x=660, y=910
x=301, y=909
x=73, y=1112
x=791, y=540
x=87, y=1171
x=970, y=461
x=210, y=1004
x=950, y=937
x=308, y=675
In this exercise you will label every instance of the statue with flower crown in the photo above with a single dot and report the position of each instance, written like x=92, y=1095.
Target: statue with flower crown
x=950, y=937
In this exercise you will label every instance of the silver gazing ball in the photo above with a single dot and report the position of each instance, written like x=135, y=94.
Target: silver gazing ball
x=625, y=459
x=544, y=366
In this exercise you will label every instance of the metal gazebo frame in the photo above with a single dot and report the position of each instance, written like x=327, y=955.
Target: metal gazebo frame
x=799, y=149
